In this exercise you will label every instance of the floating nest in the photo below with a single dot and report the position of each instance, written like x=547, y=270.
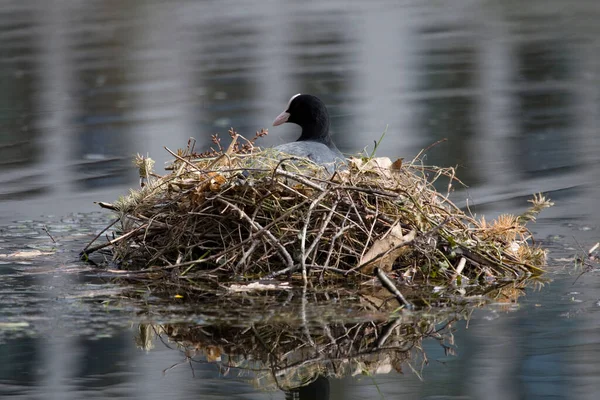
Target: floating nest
x=247, y=214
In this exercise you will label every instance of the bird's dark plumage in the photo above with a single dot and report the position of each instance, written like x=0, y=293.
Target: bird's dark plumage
x=315, y=142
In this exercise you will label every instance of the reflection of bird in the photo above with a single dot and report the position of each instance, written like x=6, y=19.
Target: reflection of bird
x=316, y=390
x=314, y=143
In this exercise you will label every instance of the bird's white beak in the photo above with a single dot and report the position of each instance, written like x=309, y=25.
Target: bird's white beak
x=281, y=118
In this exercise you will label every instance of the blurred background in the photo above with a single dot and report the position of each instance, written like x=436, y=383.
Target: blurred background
x=513, y=85
x=88, y=84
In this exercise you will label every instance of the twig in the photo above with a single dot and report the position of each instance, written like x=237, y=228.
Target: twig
x=247, y=253
x=45, y=229
x=92, y=249
x=303, y=253
x=426, y=149
x=297, y=177
x=389, y=285
x=185, y=161
x=340, y=233
x=387, y=331
x=256, y=226
x=366, y=247
x=317, y=267
x=324, y=226
x=240, y=244
x=108, y=206
x=305, y=326
x=98, y=235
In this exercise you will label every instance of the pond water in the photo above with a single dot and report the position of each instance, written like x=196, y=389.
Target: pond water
x=514, y=87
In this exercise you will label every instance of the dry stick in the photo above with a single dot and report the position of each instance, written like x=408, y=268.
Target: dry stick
x=362, y=225
x=427, y=149
x=92, y=249
x=459, y=268
x=369, y=191
x=160, y=252
x=353, y=339
x=303, y=253
x=261, y=340
x=323, y=227
x=183, y=160
x=335, y=237
x=305, y=328
x=389, y=285
x=332, y=185
x=153, y=220
x=419, y=207
x=97, y=236
x=332, y=269
x=300, y=178
x=236, y=246
x=149, y=224
x=255, y=225
x=247, y=253
x=108, y=206
x=290, y=269
x=451, y=178
x=477, y=257
x=371, y=230
x=387, y=331
x=323, y=205
x=385, y=218
x=328, y=333
x=45, y=229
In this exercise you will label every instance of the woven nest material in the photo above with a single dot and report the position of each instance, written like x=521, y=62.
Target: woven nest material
x=266, y=214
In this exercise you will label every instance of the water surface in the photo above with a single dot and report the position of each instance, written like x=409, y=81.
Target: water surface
x=513, y=86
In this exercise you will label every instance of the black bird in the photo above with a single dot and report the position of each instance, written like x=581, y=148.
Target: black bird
x=314, y=143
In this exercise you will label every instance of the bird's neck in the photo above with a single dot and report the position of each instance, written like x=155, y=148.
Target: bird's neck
x=318, y=132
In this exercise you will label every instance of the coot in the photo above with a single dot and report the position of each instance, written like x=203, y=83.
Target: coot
x=314, y=143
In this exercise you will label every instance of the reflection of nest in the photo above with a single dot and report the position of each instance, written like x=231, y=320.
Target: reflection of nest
x=283, y=356
x=310, y=343
x=258, y=215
